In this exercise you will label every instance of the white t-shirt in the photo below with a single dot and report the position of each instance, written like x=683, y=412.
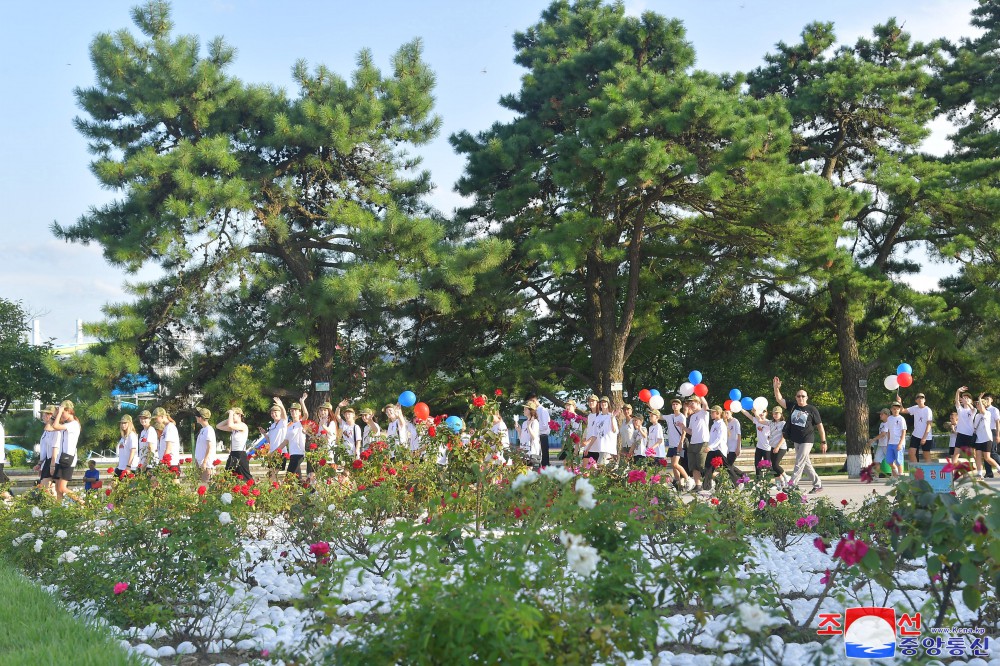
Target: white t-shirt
x=145, y=437
x=763, y=433
x=675, y=429
x=170, y=442
x=897, y=428
x=994, y=416
x=205, y=445
x=70, y=438
x=238, y=440
x=45, y=444
x=965, y=415
x=717, y=437
x=543, y=420
x=607, y=440
x=883, y=430
x=733, y=442
x=777, y=436
x=984, y=427
x=922, y=416
x=351, y=435
x=590, y=429
x=500, y=428
x=126, y=445
x=371, y=434
x=654, y=440
x=276, y=434
x=406, y=439
x=296, y=437
x=699, y=424
x=528, y=437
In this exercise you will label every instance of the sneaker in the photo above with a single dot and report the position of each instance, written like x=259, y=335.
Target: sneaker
x=697, y=488
x=689, y=484
x=816, y=490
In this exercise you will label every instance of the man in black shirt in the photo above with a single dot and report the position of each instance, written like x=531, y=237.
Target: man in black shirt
x=803, y=421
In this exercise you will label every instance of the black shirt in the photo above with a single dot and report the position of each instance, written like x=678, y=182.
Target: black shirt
x=801, y=424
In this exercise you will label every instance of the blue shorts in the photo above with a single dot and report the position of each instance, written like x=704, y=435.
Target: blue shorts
x=893, y=455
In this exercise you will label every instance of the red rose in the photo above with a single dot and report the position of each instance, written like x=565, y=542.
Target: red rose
x=165, y=459
x=275, y=484
x=717, y=462
x=362, y=486
x=319, y=548
x=111, y=470
x=479, y=401
x=187, y=460
x=498, y=393
x=216, y=462
x=108, y=492
x=715, y=501
x=322, y=462
x=288, y=456
x=366, y=454
x=256, y=492
x=392, y=471
x=202, y=490
x=357, y=464
x=781, y=497
x=165, y=530
x=454, y=495
x=312, y=447
x=432, y=431
x=97, y=484
x=663, y=462
x=843, y=502
x=250, y=482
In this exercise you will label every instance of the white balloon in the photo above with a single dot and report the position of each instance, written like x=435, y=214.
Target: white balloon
x=686, y=389
x=760, y=403
x=656, y=401
x=735, y=407
x=891, y=383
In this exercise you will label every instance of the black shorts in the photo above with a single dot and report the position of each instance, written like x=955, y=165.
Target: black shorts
x=983, y=446
x=46, y=470
x=295, y=463
x=672, y=452
x=926, y=446
x=593, y=455
x=63, y=473
x=964, y=441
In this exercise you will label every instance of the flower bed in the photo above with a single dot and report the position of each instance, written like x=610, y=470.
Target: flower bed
x=403, y=560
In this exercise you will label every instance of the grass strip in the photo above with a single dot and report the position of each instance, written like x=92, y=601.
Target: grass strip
x=36, y=630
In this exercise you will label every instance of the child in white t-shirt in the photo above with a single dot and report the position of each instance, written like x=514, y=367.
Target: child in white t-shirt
x=881, y=440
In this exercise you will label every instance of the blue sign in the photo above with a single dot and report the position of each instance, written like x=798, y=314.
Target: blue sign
x=932, y=473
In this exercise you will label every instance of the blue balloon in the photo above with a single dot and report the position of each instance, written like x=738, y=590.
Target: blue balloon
x=454, y=423
x=653, y=392
x=904, y=367
x=747, y=403
x=735, y=394
x=407, y=398
x=694, y=377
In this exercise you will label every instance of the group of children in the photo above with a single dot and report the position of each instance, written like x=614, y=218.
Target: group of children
x=973, y=430
x=693, y=439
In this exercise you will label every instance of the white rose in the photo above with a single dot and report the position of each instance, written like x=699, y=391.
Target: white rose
x=225, y=518
x=61, y=534
x=754, y=618
x=38, y=545
x=526, y=478
x=560, y=474
x=582, y=559
x=68, y=556
x=36, y=512
x=226, y=498
x=586, y=491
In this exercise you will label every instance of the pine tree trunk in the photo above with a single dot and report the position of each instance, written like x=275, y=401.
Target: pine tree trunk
x=853, y=375
x=321, y=368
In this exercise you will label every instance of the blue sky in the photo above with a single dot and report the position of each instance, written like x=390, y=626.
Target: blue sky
x=44, y=174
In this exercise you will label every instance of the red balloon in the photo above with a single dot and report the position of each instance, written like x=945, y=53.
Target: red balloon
x=645, y=395
x=904, y=379
x=700, y=390
x=421, y=411
x=727, y=404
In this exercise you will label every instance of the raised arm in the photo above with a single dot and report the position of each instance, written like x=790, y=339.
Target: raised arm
x=777, y=394
x=280, y=405
x=958, y=396
x=227, y=424
x=302, y=404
